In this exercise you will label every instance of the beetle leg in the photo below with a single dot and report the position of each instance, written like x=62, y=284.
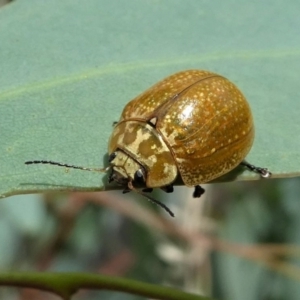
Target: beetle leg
x=168, y=188
x=147, y=190
x=112, y=157
x=263, y=172
x=198, y=191
x=110, y=177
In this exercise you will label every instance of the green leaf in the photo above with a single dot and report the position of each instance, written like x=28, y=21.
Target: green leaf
x=69, y=67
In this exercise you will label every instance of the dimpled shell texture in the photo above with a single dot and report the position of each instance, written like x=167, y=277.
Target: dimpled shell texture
x=204, y=120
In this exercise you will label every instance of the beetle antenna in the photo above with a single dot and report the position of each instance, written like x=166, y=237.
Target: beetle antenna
x=50, y=162
x=131, y=187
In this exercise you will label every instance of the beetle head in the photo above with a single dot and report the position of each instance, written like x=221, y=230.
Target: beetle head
x=125, y=169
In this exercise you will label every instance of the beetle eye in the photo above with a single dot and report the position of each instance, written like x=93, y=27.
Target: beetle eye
x=112, y=157
x=139, y=177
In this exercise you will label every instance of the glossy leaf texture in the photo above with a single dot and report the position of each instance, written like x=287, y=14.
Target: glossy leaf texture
x=68, y=68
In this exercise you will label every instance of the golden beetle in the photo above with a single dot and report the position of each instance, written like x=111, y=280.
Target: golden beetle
x=194, y=124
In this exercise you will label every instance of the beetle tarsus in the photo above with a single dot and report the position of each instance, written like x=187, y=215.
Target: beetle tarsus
x=168, y=188
x=263, y=172
x=198, y=191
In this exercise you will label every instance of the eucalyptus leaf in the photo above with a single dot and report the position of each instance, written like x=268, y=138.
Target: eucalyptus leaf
x=69, y=67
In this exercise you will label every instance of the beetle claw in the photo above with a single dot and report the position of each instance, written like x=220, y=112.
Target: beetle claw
x=263, y=172
x=198, y=191
x=168, y=188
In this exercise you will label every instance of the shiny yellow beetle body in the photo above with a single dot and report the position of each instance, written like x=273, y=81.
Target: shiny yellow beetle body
x=196, y=124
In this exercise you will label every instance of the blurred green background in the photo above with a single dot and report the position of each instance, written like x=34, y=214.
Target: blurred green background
x=66, y=71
